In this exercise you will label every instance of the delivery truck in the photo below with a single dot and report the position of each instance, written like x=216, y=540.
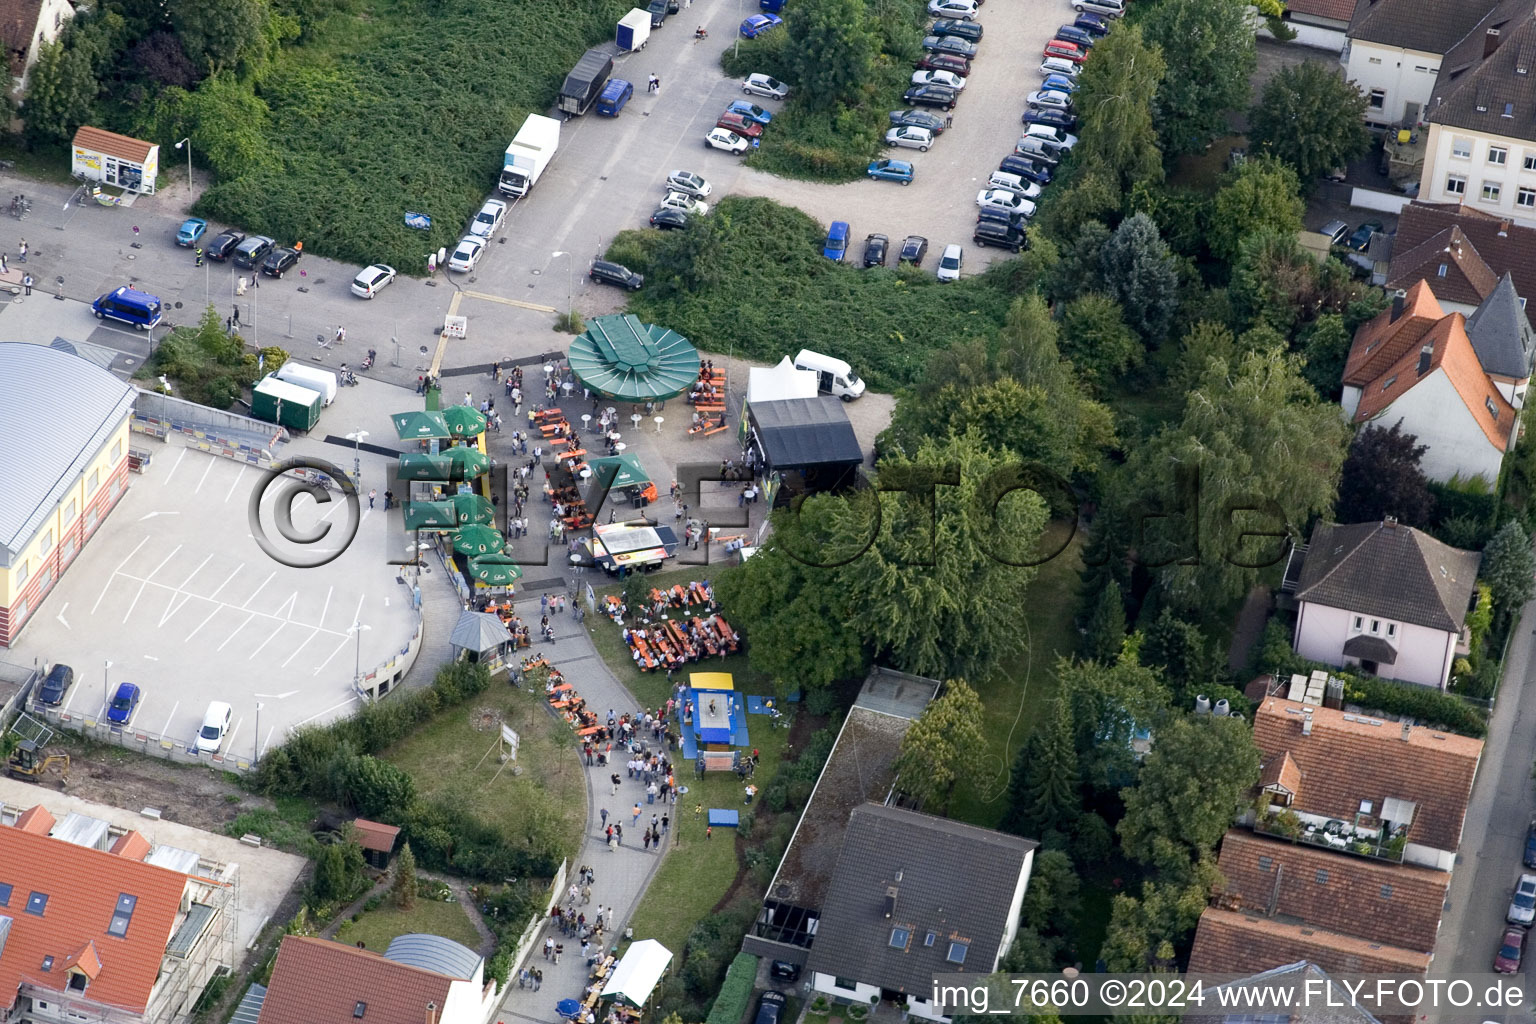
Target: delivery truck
x=585, y=82
x=285, y=404
x=634, y=30
x=530, y=152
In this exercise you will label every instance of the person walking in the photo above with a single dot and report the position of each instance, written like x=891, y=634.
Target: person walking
x=603, y=814
x=26, y=284
x=652, y=83
x=22, y=251
x=341, y=334
x=198, y=253
x=373, y=492
x=234, y=317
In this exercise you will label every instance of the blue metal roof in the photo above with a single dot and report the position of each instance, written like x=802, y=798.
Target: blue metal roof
x=434, y=953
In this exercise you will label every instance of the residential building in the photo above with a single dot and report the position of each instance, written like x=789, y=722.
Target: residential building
x=1323, y=24
x=25, y=25
x=1302, y=976
x=99, y=924
x=1480, y=147
x=1385, y=598
x=1456, y=382
x=419, y=979
x=60, y=482
x=913, y=897
x=1395, y=51
x=1463, y=253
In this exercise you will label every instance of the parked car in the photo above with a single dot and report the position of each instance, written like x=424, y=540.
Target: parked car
x=668, y=219
x=281, y=260
x=1093, y=24
x=950, y=44
x=913, y=249
x=1530, y=846
x=223, y=245
x=784, y=970
x=944, y=78
x=689, y=184
x=912, y=138
x=659, y=10
x=875, y=247
x=371, y=280
x=963, y=10
x=192, y=229
x=748, y=109
x=720, y=138
x=1061, y=66
x=918, y=119
x=1024, y=167
x=999, y=233
x=686, y=203
x=490, y=218
x=769, y=1007
x=250, y=252
x=605, y=272
x=1336, y=230
x=215, y=726
x=1038, y=150
x=1522, y=908
x=1511, y=949
x=1010, y=201
x=1049, y=98
x=932, y=96
x=999, y=215
x=1013, y=183
x=836, y=245
x=943, y=62
x=1361, y=239
x=950, y=262
x=953, y=27
x=1106, y=8
x=56, y=684
x=124, y=702
x=466, y=254
x=1060, y=83
x=1077, y=37
x=764, y=85
x=1054, y=136
x=1063, y=119
x=1064, y=51
x=757, y=24
x=890, y=170
x=743, y=126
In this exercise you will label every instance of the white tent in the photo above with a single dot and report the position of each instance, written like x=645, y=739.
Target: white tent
x=774, y=384
x=635, y=977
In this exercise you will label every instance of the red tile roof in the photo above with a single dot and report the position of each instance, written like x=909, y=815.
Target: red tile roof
x=319, y=982
x=83, y=886
x=36, y=820
x=132, y=845
x=1344, y=762
x=1423, y=231
x=123, y=147
x=1385, y=903
x=372, y=835
x=1231, y=942
x=1334, y=10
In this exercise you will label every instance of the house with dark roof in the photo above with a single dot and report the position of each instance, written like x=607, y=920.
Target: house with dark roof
x=1396, y=48
x=1384, y=597
x=1455, y=382
x=914, y=897
x=98, y=924
x=25, y=25
x=419, y=979
x=1320, y=23
x=1480, y=146
x=1463, y=253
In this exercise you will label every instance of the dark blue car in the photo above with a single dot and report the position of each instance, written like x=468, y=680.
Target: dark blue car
x=124, y=703
x=1024, y=167
x=757, y=24
x=836, y=246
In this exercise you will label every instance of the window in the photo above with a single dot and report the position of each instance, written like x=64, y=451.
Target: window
x=1386, y=892
x=47, y=543
x=115, y=489
x=1461, y=148
x=1378, y=99
x=67, y=555
x=845, y=983
x=1526, y=197
x=1375, y=625
x=92, y=482
x=1509, y=110
x=19, y=611
x=1497, y=155
x=1321, y=878
x=91, y=519
x=23, y=569
x=957, y=951
x=36, y=902
x=69, y=512
x=1389, y=382
x=1391, y=629
x=1491, y=191
x=1530, y=162
x=928, y=939
x=1456, y=185
x=1359, y=622
x=359, y=1010
x=5, y=894
x=900, y=937
x=122, y=914
x=1265, y=863
x=1492, y=409
x=45, y=580
x=117, y=450
x=77, y=981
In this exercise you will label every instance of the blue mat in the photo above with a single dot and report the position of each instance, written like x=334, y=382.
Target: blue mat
x=723, y=818
x=758, y=706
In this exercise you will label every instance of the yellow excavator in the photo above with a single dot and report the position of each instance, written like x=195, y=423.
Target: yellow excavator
x=28, y=762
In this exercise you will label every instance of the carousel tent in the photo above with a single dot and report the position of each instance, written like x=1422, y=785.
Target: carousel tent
x=480, y=634
x=636, y=976
x=621, y=358
x=776, y=383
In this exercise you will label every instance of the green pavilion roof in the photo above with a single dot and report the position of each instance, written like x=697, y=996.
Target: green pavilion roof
x=621, y=358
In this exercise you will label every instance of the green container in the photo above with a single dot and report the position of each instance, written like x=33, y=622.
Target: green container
x=285, y=404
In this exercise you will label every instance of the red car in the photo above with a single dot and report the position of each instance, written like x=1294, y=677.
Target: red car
x=740, y=124
x=1507, y=959
x=1065, y=50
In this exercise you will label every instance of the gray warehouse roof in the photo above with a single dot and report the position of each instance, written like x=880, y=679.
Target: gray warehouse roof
x=57, y=411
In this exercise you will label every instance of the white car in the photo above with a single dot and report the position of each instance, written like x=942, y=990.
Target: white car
x=688, y=204
x=1050, y=135
x=466, y=254
x=371, y=280
x=689, y=184
x=965, y=10
x=1522, y=908
x=1002, y=199
x=1060, y=66
x=723, y=138
x=1013, y=183
x=949, y=263
x=911, y=136
x=945, y=78
x=764, y=85
x=490, y=218
x=215, y=725
x=1050, y=99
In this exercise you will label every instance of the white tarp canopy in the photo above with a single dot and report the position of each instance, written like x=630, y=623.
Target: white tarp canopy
x=773, y=384
x=635, y=977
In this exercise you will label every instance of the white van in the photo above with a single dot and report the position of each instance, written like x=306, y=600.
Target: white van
x=833, y=376
x=323, y=381
x=215, y=725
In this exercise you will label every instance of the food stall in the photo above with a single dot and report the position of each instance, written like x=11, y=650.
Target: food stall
x=637, y=546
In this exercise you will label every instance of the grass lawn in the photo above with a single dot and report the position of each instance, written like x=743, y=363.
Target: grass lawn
x=375, y=928
x=448, y=760
x=1014, y=697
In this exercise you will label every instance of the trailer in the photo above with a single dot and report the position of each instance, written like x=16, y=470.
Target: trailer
x=288, y=405
x=530, y=152
x=585, y=82
x=634, y=30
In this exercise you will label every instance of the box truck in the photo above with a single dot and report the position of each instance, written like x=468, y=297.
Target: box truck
x=312, y=377
x=530, y=152
x=585, y=81
x=634, y=30
x=288, y=405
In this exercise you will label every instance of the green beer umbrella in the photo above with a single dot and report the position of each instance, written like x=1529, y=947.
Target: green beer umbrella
x=464, y=421
x=472, y=508
x=467, y=462
x=629, y=473
x=477, y=540
x=431, y=515
x=420, y=425
x=427, y=467
x=495, y=570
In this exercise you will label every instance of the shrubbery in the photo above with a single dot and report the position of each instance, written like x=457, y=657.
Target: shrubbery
x=736, y=991
x=207, y=364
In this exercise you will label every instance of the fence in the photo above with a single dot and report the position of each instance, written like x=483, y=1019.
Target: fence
x=530, y=937
x=16, y=681
x=140, y=741
x=225, y=434
x=381, y=679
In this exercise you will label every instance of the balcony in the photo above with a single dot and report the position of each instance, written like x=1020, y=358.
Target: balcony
x=1338, y=836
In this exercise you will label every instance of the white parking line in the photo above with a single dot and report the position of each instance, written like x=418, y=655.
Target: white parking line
x=238, y=477
x=167, y=726
x=226, y=581
x=204, y=478
x=134, y=603
x=216, y=609
x=177, y=464
x=264, y=744
x=270, y=637
x=320, y=714
x=328, y=592
x=287, y=606
x=60, y=615
x=259, y=589
x=236, y=632
x=340, y=645
x=119, y=569
x=229, y=737
x=314, y=632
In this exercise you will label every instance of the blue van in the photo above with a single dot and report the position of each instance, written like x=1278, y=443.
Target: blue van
x=771, y=6
x=614, y=95
x=131, y=307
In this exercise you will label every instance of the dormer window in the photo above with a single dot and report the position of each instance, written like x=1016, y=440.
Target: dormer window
x=78, y=981
x=1509, y=110
x=1492, y=409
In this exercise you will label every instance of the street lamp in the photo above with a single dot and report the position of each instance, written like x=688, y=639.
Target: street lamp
x=356, y=437
x=187, y=142
x=568, y=300
x=357, y=664
x=105, y=686
x=256, y=751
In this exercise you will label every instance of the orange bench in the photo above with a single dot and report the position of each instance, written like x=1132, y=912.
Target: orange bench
x=715, y=430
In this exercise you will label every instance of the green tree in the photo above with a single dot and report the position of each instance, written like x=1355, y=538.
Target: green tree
x=1274, y=282
x=1327, y=350
x=1201, y=343
x=1509, y=569
x=376, y=787
x=1096, y=339
x=61, y=94
x=1260, y=195
x=1141, y=274
x=943, y=746
x=1110, y=702
x=1209, y=49
x=1311, y=118
x=1145, y=932
x=1085, y=193
x=1049, y=795
x=1114, y=101
x=1181, y=652
x=831, y=51
x=1106, y=626
x=1080, y=268
x=404, y=885
x=1188, y=792
x=694, y=259
x=1382, y=477
x=219, y=35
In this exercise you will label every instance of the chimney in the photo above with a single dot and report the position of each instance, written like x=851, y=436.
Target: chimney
x=1306, y=725
x=1504, y=228
x=1407, y=729
x=890, y=902
x=1490, y=42
x=1397, y=307
x=1426, y=354
x=1389, y=523
x=431, y=1012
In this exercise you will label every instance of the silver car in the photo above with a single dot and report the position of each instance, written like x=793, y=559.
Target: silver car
x=689, y=184
x=764, y=85
x=910, y=136
x=1522, y=909
x=949, y=263
x=466, y=254
x=490, y=218
x=1050, y=99
x=1002, y=199
x=686, y=203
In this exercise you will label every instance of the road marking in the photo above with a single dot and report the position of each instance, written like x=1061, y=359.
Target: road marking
x=177, y=464
x=288, y=605
x=266, y=742
x=236, y=632
x=216, y=609
x=229, y=737
x=275, y=696
x=152, y=515
x=226, y=581
x=328, y=592
x=60, y=615
x=151, y=657
x=134, y=603
x=340, y=644
x=259, y=589
x=335, y=707
x=167, y=726
x=487, y=297
x=313, y=632
x=119, y=569
x=204, y=478
x=238, y=477
x=269, y=639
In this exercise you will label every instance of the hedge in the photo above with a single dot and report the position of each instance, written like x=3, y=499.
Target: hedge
x=1431, y=707
x=735, y=992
